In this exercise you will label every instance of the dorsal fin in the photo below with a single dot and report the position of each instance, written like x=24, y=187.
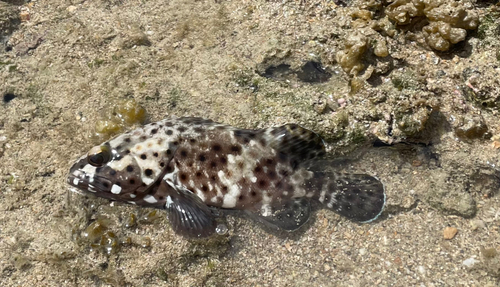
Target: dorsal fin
x=294, y=143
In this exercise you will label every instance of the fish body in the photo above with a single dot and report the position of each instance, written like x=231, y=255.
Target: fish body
x=187, y=165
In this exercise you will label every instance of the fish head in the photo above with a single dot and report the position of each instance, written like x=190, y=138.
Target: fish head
x=124, y=168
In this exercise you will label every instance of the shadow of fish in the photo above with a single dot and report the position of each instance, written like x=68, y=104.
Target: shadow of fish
x=188, y=165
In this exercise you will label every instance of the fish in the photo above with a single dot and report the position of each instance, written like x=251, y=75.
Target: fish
x=192, y=167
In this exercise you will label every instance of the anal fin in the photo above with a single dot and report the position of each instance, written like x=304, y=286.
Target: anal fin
x=288, y=216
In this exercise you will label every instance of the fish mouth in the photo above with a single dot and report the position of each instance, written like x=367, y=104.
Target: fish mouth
x=90, y=183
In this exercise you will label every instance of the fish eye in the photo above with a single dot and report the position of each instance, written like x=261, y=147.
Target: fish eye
x=99, y=155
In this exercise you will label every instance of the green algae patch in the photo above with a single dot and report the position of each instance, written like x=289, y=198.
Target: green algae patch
x=122, y=116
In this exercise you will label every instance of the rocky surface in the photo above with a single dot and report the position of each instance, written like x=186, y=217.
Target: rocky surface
x=406, y=90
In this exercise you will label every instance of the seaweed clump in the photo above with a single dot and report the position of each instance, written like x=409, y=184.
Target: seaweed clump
x=447, y=21
x=124, y=114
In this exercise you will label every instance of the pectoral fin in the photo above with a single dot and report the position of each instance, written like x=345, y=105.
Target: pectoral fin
x=188, y=215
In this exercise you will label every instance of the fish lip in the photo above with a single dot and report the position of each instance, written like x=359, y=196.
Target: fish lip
x=89, y=183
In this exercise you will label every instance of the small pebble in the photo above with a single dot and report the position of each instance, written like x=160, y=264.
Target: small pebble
x=476, y=224
x=71, y=8
x=449, y=232
x=421, y=269
x=470, y=262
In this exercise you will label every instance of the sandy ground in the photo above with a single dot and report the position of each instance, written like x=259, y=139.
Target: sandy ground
x=424, y=122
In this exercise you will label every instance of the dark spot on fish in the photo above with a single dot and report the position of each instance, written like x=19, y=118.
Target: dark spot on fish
x=127, y=151
x=236, y=148
x=216, y=147
x=223, y=160
x=105, y=184
x=118, y=147
x=263, y=183
x=181, y=129
x=263, y=142
x=82, y=166
x=127, y=140
x=155, y=154
x=154, y=131
x=169, y=169
x=161, y=197
x=257, y=169
x=143, y=138
x=168, y=152
x=192, y=141
x=271, y=174
x=169, y=124
x=241, y=197
x=204, y=188
x=130, y=168
x=148, y=172
x=253, y=193
x=241, y=165
x=183, y=176
x=213, y=164
x=213, y=178
x=224, y=188
x=229, y=173
x=144, y=156
x=183, y=153
x=202, y=157
x=198, y=174
x=112, y=172
x=198, y=130
x=169, y=132
x=162, y=164
x=132, y=181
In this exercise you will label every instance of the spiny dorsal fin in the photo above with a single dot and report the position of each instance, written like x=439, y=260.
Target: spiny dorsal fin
x=295, y=143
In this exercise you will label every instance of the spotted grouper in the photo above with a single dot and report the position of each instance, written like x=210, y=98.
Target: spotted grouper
x=193, y=166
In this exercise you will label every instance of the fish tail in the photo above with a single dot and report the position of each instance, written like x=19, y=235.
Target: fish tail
x=359, y=197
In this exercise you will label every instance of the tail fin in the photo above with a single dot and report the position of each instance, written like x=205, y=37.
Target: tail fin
x=359, y=197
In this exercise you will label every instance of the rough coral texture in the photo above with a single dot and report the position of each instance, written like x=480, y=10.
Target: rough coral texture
x=447, y=20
